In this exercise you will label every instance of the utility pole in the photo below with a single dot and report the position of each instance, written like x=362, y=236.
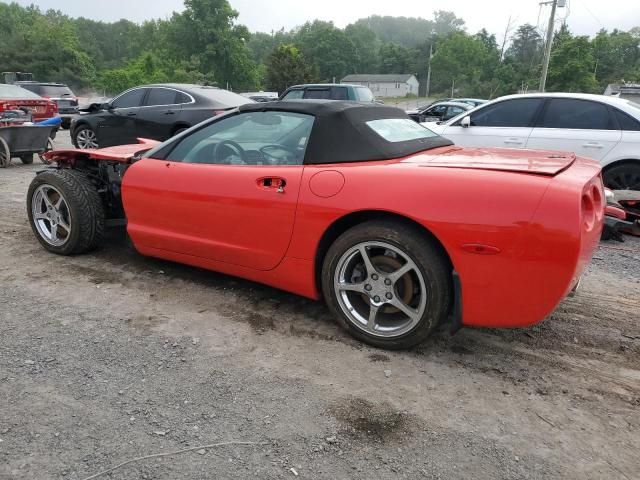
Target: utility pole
x=547, y=47
x=429, y=71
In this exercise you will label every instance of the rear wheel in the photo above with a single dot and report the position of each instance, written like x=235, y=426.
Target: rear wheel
x=5, y=154
x=65, y=211
x=624, y=176
x=27, y=158
x=387, y=284
x=84, y=137
x=179, y=130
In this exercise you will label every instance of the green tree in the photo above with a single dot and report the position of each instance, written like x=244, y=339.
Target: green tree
x=45, y=44
x=460, y=60
x=617, y=55
x=396, y=59
x=287, y=66
x=572, y=66
x=366, y=45
x=524, y=57
x=207, y=30
x=262, y=44
x=328, y=47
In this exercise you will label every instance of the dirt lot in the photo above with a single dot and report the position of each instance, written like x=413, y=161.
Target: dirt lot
x=111, y=356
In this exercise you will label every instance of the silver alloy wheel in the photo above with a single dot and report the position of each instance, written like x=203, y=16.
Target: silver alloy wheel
x=86, y=138
x=380, y=289
x=51, y=215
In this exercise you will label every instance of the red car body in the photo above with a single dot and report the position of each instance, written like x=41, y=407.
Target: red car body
x=13, y=97
x=519, y=227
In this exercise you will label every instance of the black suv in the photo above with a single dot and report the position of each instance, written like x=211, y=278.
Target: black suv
x=60, y=94
x=328, y=91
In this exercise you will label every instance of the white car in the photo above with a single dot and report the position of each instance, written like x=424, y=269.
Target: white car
x=604, y=128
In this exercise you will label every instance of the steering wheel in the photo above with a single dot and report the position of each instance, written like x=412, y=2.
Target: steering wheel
x=231, y=144
x=294, y=153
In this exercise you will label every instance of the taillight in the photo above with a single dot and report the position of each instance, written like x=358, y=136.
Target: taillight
x=588, y=210
x=5, y=107
x=218, y=112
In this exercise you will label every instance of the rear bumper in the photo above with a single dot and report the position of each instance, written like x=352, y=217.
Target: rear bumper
x=526, y=282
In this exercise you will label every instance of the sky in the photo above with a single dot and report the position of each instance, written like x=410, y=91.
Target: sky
x=584, y=17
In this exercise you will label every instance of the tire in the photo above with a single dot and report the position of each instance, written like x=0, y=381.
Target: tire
x=353, y=291
x=624, y=176
x=179, y=130
x=27, y=159
x=72, y=205
x=5, y=154
x=84, y=137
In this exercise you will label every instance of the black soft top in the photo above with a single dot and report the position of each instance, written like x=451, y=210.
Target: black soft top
x=340, y=132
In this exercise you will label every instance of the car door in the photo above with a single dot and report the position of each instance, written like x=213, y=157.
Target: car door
x=452, y=112
x=507, y=123
x=117, y=125
x=227, y=192
x=434, y=114
x=584, y=127
x=159, y=113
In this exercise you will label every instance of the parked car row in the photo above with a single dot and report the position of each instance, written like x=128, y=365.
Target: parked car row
x=600, y=127
x=604, y=128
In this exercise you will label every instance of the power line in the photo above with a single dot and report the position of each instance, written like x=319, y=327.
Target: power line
x=586, y=7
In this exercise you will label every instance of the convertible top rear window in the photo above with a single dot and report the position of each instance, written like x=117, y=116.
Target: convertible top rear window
x=400, y=129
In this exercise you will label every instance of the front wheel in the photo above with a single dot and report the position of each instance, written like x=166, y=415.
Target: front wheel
x=84, y=138
x=65, y=211
x=388, y=284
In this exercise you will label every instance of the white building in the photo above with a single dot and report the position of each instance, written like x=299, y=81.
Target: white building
x=628, y=91
x=386, y=85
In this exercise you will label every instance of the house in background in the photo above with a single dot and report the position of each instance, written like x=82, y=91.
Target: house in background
x=386, y=85
x=628, y=91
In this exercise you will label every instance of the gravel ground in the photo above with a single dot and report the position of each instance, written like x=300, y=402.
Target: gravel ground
x=110, y=356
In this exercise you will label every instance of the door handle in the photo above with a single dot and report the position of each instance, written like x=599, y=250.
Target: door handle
x=272, y=183
x=131, y=114
x=170, y=112
x=592, y=145
x=513, y=141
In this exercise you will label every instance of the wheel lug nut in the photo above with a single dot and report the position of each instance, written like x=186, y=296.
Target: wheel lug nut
x=367, y=287
x=374, y=277
x=387, y=281
x=389, y=296
x=376, y=298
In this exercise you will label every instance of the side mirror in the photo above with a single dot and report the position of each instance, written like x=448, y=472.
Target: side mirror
x=465, y=122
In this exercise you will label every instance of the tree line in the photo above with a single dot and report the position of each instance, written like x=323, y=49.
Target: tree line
x=205, y=44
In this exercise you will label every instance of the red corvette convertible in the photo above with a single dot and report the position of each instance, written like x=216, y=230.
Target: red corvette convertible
x=394, y=226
